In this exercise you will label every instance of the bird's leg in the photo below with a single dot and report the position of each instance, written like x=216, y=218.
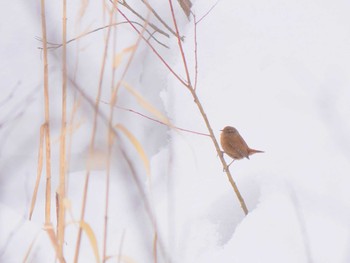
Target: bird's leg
x=230, y=163
x=226, y=168
x=222, y=155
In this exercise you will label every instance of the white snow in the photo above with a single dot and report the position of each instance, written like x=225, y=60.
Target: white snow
x=278, y=71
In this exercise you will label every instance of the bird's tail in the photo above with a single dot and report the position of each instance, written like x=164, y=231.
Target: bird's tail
x=252, y=151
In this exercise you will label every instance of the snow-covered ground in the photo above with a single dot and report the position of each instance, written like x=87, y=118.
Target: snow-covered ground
x=277, y=71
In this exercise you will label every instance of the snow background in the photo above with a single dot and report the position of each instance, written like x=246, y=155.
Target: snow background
x=276, y=70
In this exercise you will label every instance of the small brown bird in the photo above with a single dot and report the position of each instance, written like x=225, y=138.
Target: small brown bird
x=233, y=144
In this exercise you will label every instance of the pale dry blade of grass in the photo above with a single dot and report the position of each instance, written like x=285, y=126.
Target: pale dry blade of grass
x=155, y=247
x=130, y=165
x=25, y=259
x=119, y=57
x=51, y=233
x=39, y=170
x=138, y=147
x=120, y=249
x=146, y=105
x=83, y=8
x=92, y=238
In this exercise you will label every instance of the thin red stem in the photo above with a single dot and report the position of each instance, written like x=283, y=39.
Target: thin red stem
x=153, y=49
x=189, y=85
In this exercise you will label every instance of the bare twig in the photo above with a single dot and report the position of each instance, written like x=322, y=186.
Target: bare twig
x=19, y=109
x=120, y=250
x=206, y=120
x=159, y=18
x=189, y=85
x=13, y=90
x=207, y=12
x=56, y=46
x=195, y=54
x=126, y=5
x=219, y=152
x=158, y=121
x=150, y=45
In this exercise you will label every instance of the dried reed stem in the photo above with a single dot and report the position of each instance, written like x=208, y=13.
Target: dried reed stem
x=47, y=118
x=92, y=145
x=155, y=238
x=51, y=233
x=129, y=163
x=113, y=101
x=62, y=176
x=110, y=145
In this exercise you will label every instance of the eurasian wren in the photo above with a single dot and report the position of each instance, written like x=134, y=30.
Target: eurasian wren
x=233, y=144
